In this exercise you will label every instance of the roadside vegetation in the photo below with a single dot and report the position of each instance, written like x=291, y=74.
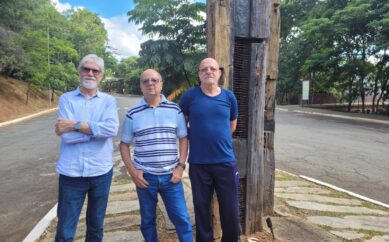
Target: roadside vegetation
x=15, y=94
x=340, y=46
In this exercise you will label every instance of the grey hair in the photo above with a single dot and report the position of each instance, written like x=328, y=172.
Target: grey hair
x=92, y=58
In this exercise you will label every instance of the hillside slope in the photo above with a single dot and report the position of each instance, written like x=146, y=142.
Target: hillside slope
x=13, y=100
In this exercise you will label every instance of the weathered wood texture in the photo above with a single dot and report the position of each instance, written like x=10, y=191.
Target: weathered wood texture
x=249, y=21
x=219, y=35
x=274, y=41
x=260, y=32
x=269, y=174
x=272, y=75
x=260, y=21
x=217, y=231
x=255, y=161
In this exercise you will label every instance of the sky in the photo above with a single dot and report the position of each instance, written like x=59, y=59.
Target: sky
x=123, y=37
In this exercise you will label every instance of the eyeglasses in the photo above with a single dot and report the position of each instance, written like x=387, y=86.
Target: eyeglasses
x=150, y=80
x=88, y=70
x=205, y=69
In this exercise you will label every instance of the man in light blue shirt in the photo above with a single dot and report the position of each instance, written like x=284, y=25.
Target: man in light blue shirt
x=87, y=121
x=155, y=124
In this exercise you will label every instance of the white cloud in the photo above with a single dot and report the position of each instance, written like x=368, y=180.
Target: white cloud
x=123, y=37
x=63, y=7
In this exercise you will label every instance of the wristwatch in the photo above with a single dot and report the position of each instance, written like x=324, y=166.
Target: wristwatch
x=181, y=165
x=77, y=126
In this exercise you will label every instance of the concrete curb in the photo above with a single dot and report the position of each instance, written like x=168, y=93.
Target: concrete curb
x=353, y=194
x=26, y=117
x=336, y=116
x=42, y=225
x=345, y=191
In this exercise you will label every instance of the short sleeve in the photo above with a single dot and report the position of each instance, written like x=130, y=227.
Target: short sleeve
x=181, y=125
x=234, y=106
x=184, y=103
x=127, y=130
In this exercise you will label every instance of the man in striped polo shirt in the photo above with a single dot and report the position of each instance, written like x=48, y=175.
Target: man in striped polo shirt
x=155, y=124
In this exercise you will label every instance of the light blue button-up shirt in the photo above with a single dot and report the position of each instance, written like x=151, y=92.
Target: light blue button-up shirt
x=87, y=155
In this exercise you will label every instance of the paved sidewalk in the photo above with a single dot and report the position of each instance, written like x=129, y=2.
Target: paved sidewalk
x=311, y=212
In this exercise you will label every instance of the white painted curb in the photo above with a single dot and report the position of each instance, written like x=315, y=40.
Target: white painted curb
x=42, y=225
x=345, y=191
x=344, y=117
x=336, y=116
x=26, y=117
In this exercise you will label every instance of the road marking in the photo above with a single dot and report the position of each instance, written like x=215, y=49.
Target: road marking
x=26, y=117
x=336, y=116
x=344, y=117
x=48, y=174
x=283, y=109
x=42, y=225
x=345, y=191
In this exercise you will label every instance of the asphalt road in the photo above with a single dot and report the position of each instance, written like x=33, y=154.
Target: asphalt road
x=350, y=154
x=28, y=181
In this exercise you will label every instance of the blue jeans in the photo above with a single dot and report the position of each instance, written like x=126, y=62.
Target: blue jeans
x=71, y=195
x=222, y=178
x=174, y=200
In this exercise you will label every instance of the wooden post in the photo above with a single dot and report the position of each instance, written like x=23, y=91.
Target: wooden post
x=219, y=35
x=219, y=44
x=259, y=31
x=270, y=101
x=255, y=164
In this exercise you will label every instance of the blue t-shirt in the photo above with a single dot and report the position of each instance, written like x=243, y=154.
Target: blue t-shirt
x=209, y=132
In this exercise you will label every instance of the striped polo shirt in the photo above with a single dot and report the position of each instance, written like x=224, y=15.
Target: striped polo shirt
x=155, y=132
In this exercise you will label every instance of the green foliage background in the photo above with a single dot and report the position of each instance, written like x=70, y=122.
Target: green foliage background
x=341, y=46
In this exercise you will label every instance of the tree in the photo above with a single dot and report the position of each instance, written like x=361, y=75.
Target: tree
x=42, y=46
x=178, y=44
x=339, y=45
x=13, y=57
x=87, y=33
x=129, y=70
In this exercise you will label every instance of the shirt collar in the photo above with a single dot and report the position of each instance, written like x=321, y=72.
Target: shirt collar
x=163, y=100
x=78, y=92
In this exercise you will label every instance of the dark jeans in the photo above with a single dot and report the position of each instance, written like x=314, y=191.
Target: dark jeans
x=174, y=201
x=71, y=196
x=222, y=178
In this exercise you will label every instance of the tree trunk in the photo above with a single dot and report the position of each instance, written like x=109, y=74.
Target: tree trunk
x=375, y=92
x=350, y=97
x=362, y=93
x=28, y=92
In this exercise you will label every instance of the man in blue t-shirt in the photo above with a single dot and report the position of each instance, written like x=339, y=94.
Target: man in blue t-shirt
x=212, y=113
